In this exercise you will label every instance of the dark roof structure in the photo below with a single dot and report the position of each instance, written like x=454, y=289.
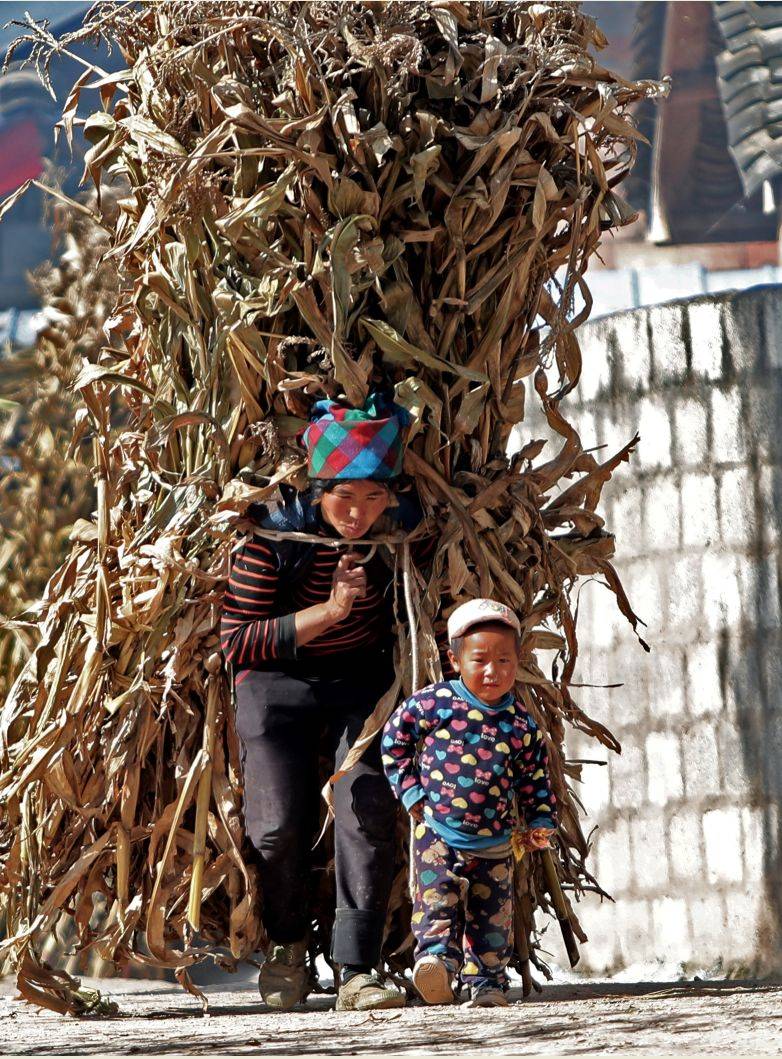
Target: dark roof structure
x=688, y=181
x=750, y=87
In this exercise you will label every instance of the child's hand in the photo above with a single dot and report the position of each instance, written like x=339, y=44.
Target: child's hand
x=417, y=811
x=537, y=838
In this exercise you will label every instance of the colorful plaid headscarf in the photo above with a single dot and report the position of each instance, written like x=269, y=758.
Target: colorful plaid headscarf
x=351, y=443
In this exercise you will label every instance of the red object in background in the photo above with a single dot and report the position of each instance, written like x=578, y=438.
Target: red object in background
x=20, y=155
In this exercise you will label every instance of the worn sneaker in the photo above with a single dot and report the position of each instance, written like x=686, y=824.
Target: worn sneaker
x=487, y=998
x=432, y=979
x=368, y=992
x=284, y=980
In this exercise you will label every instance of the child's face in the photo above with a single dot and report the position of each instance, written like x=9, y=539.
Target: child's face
x=487, y=662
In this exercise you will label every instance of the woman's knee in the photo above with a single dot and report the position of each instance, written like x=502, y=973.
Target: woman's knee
x=278, y=839
x=373, y=807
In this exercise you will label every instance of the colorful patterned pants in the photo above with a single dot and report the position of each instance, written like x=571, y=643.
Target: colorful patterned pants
x=463, y=910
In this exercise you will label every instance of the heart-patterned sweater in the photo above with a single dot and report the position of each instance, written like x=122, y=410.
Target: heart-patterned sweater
x=465, y=760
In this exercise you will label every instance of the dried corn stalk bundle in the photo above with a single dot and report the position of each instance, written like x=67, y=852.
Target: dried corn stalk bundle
x=323, y=198
x=46, y=484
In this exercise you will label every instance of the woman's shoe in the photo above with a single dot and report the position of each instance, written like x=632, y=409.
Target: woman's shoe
x=368, y=992
x=432, y=979
x=487, y=998
x=284, y=980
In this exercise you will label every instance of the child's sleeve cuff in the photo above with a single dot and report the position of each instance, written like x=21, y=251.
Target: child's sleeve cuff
x=413, y=795
x=541, y=821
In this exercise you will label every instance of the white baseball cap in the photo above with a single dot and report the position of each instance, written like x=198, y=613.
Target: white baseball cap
x=478, y=611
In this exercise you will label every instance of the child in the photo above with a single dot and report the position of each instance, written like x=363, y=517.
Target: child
x=478, y=749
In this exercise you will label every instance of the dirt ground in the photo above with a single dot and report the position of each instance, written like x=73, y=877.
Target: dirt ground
x=682, y=1018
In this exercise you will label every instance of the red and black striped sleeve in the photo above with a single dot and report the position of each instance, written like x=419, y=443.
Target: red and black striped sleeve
x=422, y=550
x=250, y=630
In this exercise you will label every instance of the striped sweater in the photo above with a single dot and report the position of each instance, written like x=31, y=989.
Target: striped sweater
x=258, y=625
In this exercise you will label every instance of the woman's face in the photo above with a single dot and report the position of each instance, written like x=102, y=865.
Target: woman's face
x=352, y=508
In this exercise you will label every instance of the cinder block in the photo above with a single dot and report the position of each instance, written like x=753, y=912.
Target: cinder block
x=770, y=747
x=686, y=841
x=700, y=760
x=771, y=838
x=722, y=836
x=685, y=597
x=613, y=857
x=744, y=322
x=650, y=855
x=728, y=429
x=667, y=681
x=632, y=343
x=669, y=355
x=768, y=600
x=662, y=518
x=628, y=778
x=664, y=768
x=596, y=372
x=595, y=667
x=704, y=689
x=744, y=688
x=706, y=339
x=595, y=791
x=672, y=929
x=634, y=929
x=628, y=705
x=752, y=829
x=625, y=518
x=584, y=424
x=654, y=426
x=770, y=501
x=708, y=918
x=770, y=683
x=721, y=591
x=691, y=432
x=699, y=510
x=598, y=919
x=730, y=742
x=606, y=618
x=747, y=926
x=773, y=326
x=759, y=581
x=738, y=523
x=645, y=593
x=617, y=424
x=763, y=404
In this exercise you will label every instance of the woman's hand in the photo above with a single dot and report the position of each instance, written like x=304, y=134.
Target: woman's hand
x=417, y=811
x=348, y=584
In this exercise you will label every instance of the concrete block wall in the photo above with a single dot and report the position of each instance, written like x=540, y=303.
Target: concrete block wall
x=688, y=839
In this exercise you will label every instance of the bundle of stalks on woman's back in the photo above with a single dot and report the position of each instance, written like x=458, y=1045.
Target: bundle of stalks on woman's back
x=45, y=481
x=323, y=199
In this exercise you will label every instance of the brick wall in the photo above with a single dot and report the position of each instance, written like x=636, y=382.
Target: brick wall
x=688, y=838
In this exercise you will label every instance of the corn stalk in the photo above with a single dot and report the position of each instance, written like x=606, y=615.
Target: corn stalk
x=322, y=198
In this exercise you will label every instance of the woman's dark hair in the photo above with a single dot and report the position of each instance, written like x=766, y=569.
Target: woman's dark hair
x=319, y=486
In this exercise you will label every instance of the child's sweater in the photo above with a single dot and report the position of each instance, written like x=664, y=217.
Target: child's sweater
x=472, y=760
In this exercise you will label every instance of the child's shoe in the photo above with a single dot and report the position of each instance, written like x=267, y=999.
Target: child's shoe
x=488, y=997
x=432, y=979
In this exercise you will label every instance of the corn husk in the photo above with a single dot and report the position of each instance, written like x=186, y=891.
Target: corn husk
x=321, y=198
x=46, y=485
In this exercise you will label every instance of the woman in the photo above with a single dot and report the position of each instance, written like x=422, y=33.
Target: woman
x=308, y=630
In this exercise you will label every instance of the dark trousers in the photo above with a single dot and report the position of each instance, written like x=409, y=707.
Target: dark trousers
x=286, y=719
